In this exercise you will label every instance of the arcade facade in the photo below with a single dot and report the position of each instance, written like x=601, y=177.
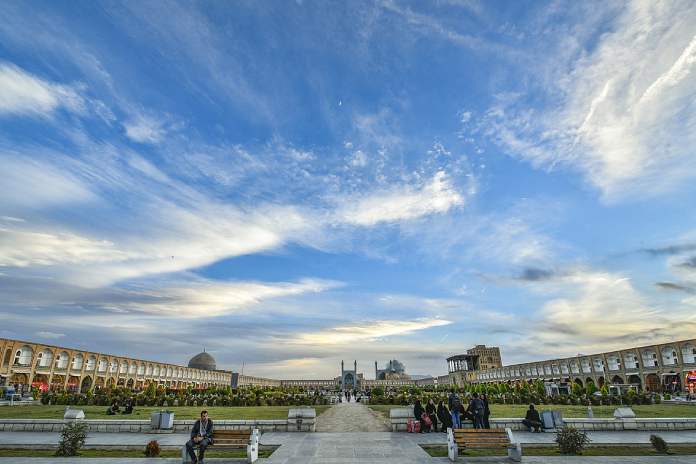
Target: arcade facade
x=48, y=367
x=668, y=367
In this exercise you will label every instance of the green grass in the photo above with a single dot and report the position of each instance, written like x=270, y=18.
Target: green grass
x=180, y=412
x=441, y=451
x=97, y=453
x=518, y=410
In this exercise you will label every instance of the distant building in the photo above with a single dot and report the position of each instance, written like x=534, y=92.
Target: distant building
x=488, y=356
x=394, y=370
x=654, y=368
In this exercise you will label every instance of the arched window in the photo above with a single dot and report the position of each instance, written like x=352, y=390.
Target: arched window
x=77, y=362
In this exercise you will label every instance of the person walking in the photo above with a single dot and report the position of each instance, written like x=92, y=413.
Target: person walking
x=455, y=405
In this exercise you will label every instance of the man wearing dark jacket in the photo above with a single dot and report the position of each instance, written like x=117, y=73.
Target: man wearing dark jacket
x=532, y=420
x=476, y=409
x=201, y=437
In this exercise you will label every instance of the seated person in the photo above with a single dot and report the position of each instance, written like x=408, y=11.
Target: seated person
x=113, y=409
x=201, y=437
x=532, y=420
x=129, y=406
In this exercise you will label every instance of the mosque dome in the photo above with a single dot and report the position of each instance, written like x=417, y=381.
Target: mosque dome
x=202, y=361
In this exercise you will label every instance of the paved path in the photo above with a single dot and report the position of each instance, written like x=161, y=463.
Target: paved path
x=350, y=417
x=347, y=447
x=138, y=440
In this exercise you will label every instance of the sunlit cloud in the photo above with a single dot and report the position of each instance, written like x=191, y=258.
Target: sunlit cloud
x=368, y=331
x=402, y=203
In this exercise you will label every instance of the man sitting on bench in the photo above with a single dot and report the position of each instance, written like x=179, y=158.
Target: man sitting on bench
x=532, y=420
x=201, y=437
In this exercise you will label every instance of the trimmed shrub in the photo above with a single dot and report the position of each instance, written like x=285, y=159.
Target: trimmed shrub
x=659, y=444
x=152, y=450
x=571, y=440
x=72, y=438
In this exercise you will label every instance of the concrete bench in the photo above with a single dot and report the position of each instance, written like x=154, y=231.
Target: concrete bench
x=232, y=439
x=464, y=439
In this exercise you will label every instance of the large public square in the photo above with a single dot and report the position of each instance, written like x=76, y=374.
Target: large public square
x=365, y=231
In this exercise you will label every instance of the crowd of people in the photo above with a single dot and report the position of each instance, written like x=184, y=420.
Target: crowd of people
x=443, y=416
x=434, y=418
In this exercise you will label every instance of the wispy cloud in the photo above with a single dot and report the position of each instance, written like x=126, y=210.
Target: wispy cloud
x=145, y=129
x=22, y=93
x=367, y=331
x=402, y=203
x=626, y=117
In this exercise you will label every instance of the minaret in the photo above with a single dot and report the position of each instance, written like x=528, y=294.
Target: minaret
x=376, y=370
x=355, y=367
x=341, y=368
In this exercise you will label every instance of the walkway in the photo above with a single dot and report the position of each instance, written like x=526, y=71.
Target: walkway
x=346, y=447
x=350, y=417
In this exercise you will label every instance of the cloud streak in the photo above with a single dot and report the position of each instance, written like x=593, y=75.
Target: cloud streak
x=22, y=93
x=626, y=117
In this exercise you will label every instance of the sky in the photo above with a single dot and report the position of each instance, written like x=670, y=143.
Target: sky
x=290, y=184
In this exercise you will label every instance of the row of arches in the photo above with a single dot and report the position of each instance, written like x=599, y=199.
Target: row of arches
x=87, y=383
x=648, y=383
x=671, y=356
x=59, y=364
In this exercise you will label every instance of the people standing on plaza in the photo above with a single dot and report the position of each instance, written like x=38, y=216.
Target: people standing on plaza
x=201, y=437
x=532, y=420
x=476, y=410
x=419, y=412
x=444, y=415
x=486, y=412
x=431, y=411
x=455, y=405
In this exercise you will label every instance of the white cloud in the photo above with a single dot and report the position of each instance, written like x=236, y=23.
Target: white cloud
x=359, y=159
x=46, y=334
x=21, y=248
x=31, y=183
x=367, y=332
x=25, y=94
x=402, y=203
x=195, y=297
x=145, y=129
x=598, y=311
x=627, y=112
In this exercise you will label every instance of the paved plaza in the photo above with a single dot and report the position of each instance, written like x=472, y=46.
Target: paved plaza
x=351, y=417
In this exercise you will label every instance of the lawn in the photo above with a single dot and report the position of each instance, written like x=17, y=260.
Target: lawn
x=441, y=451
x=112, y=453
x=180, y=412
x=518, y=410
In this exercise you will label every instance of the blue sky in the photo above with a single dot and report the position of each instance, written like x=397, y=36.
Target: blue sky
x=290, y=184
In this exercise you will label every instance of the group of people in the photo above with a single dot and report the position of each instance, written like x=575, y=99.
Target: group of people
x=450, y=415
x=115, y=408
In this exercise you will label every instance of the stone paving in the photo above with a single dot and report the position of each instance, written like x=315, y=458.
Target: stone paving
x=351, y=417
x=346, y=447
